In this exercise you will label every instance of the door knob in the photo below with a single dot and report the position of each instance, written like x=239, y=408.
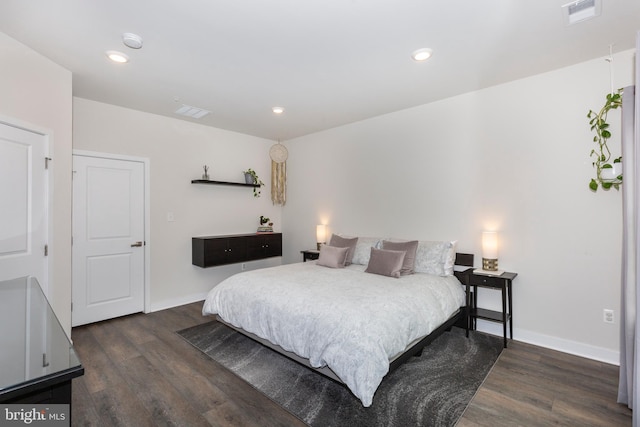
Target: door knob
x=136, y=244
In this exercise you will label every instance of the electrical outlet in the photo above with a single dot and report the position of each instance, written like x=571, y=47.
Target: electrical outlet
x=608, y=316
x=243, y=266
x=170, y=217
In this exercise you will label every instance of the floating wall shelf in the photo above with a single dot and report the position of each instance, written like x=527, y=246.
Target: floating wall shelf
x=237, y=184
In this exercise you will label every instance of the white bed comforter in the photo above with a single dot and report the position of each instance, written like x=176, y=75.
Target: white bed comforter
x=351, y=321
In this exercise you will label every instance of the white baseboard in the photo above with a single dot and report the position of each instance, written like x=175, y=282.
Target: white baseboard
x=566, y=346
x=163, y=305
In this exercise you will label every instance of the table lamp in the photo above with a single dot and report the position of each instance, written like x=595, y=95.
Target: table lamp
x=321, y=235
x=489, y=254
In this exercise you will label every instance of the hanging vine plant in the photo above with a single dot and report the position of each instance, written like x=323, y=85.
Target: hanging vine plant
x=607, y=174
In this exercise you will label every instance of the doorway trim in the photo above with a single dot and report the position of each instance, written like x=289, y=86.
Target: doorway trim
x=49, y=285
x=147, y=213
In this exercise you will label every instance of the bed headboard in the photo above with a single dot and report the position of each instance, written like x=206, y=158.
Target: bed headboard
x=464, y=260
x=462, y=263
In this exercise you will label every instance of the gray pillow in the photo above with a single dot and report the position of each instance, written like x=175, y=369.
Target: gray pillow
x=410, y=247
x=332, y=256
x=385, y=262
x=409, y=263
x=344, y=242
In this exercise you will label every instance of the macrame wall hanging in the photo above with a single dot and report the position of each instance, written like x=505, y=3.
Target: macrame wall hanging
x=279, y=155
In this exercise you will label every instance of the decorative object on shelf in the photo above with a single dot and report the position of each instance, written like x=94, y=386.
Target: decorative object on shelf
x=205, y=175
x=608, y=174
x=489, y=254
x=265, y=225
x=321, y=235
x=279, y=155
x=251, y=177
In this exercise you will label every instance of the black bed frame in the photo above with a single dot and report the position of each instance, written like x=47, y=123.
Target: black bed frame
x=460, y=318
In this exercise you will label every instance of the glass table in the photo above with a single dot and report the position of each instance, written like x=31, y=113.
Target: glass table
x=37, y=360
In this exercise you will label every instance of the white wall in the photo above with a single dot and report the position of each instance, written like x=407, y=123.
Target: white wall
x=177, y=150
x=514, y=158
x=37, y=95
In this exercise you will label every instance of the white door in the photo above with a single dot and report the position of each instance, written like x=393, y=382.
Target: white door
x=108, y=238
x=23, y=204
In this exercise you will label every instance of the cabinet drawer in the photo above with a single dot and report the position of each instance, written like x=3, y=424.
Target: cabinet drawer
x=486, y=281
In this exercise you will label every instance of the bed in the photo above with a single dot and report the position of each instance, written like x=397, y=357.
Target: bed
x=348, y=322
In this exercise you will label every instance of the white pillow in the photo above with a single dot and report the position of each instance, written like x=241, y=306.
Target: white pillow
x=434, y=257
x=450, y=259
x=363, y=249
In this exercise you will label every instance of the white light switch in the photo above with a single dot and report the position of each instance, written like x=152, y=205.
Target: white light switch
x=170, y=217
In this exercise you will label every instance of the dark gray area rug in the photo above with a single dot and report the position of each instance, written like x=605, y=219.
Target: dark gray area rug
x=430, y=390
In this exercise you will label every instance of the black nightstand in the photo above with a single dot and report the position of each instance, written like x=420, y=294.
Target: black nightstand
x=503, y=283
x=310, y=254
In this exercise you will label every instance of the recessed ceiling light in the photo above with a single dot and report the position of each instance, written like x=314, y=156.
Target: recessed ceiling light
x=131, y=40
x=116, y=56
x=421, y=54
x=277, y=110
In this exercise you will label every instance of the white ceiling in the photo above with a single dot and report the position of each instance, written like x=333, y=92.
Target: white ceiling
x=327, y=62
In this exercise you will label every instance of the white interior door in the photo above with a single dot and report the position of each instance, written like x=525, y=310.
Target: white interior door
x=108, y=238
x=23, y=204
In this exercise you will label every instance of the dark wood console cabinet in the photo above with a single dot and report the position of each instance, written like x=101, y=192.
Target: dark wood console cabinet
x=210, y=251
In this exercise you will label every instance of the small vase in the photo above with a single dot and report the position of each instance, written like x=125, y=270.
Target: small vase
x=612, y=174
x=205, y=176
x=248, y=178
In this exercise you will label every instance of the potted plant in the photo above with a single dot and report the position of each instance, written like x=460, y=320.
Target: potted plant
x=608, y=174
x=251, y=177
x=266, y=226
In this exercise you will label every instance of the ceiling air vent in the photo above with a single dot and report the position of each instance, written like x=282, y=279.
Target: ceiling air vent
x=580, y=10
x=193, y=112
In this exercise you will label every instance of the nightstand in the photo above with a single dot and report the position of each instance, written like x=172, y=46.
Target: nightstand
x=502, y=283
x=310, y=254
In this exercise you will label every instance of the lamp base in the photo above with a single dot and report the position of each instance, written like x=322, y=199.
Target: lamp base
x=319, y=244
x=490, y=264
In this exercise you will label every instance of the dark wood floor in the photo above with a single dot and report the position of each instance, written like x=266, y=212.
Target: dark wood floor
x=139, y=372
x=534, y=386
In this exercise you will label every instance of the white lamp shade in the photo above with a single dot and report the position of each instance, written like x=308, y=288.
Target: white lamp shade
x=321, y=233
x=489, y=245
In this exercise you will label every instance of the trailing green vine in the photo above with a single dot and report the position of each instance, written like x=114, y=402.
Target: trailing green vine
x=601, y=154
x=256, y=180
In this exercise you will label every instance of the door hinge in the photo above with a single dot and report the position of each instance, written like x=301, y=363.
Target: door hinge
x=46, y=162
x=46, y=250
